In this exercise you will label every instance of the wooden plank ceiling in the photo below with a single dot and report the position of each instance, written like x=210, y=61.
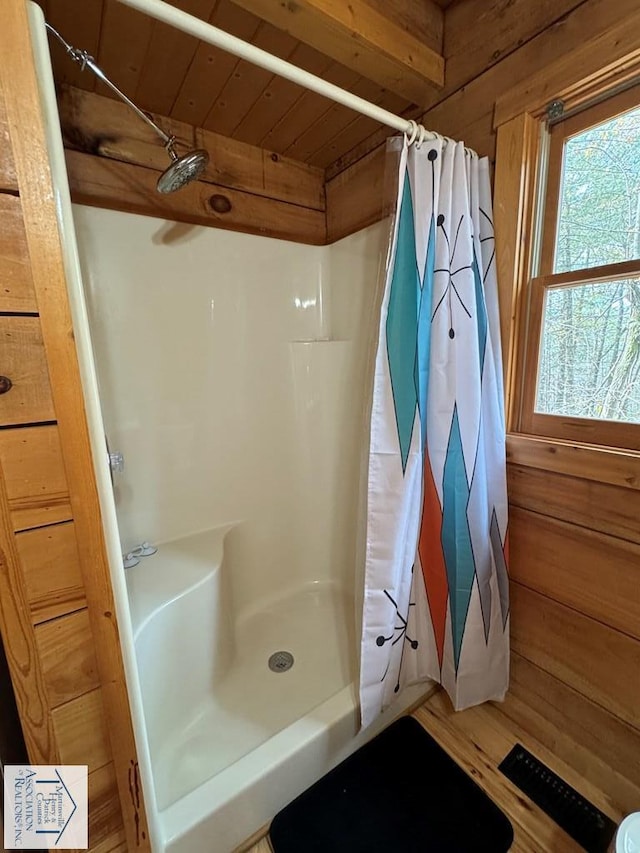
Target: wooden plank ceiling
x=171, y=74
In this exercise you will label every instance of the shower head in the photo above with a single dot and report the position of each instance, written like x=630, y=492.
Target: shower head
x=182, y=170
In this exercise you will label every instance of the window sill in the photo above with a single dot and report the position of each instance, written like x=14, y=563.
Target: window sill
x=612, y=465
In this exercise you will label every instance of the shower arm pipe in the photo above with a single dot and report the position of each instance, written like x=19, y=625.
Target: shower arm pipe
x=206, y=32
x=85, y=60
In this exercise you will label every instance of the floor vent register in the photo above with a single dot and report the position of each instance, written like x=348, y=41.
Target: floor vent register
x=579, y=818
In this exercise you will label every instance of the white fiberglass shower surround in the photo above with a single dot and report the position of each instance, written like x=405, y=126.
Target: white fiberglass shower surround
x=232, y=373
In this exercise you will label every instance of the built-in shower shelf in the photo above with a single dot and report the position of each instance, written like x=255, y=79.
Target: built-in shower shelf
x=178, y=567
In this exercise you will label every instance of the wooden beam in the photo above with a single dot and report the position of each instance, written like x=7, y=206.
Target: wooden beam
x=468, y=112
x=121, y=186
x=423, y=19
x=101, y=126
x=360, y=37
x=512, y=39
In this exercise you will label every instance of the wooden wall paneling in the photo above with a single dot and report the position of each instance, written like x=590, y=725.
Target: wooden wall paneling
x=579, y=30
x=366, y=146
x=16, y=286
x=596, y=574
x=101, y=126
x=332, y=122
x=592, y=658
x=8, y=179
x=315, y=144
x=359, y=37
x=106, y=833
x=210, y=68
x=468, y=112
x=307, y=111
x=518, y=30
x=125, y=34
x=478, y=36
x=577, y=730
x=581, y=75
x=601, y=464
x=513, y=213
x=18, y=636
x=25, y=364
x=121, y=186
x=167, y=61
x=352, y=134
x=247, y=81
x=67, y=657
x=26, y=125
x=279, y=96
x=51, y=569
x=597, y=506
x=81, y=731
x=356, y=198
x=484, y=726
x=476, y=135
x=34, y=476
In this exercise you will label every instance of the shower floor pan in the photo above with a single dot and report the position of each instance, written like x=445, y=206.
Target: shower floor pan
x=232, y=740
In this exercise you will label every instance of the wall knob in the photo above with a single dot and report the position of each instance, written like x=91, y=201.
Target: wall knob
x=5, y=384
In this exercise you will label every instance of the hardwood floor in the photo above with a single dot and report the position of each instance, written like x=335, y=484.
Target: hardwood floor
x=478, y=739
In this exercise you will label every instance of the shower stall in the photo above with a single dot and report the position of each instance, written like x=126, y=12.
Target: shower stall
x=233, y=373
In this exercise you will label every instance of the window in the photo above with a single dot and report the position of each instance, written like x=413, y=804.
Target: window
x=582, y=363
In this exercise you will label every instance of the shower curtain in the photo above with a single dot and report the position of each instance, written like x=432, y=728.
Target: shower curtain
x=436, y=600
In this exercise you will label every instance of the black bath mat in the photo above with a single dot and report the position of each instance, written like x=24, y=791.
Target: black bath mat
x=401, y=793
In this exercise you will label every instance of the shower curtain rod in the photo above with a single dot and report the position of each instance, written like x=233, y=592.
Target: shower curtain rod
x=168, y=14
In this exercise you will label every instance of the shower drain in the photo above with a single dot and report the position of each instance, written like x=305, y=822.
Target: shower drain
x=280, y=661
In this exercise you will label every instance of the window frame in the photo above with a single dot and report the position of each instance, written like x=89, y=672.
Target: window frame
x=594, y=431
x=558, y=134
x=597, y=67
x=590, y=430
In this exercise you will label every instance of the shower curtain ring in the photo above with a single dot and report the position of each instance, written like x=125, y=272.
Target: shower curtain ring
x=414, y=132
x=423, y=135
